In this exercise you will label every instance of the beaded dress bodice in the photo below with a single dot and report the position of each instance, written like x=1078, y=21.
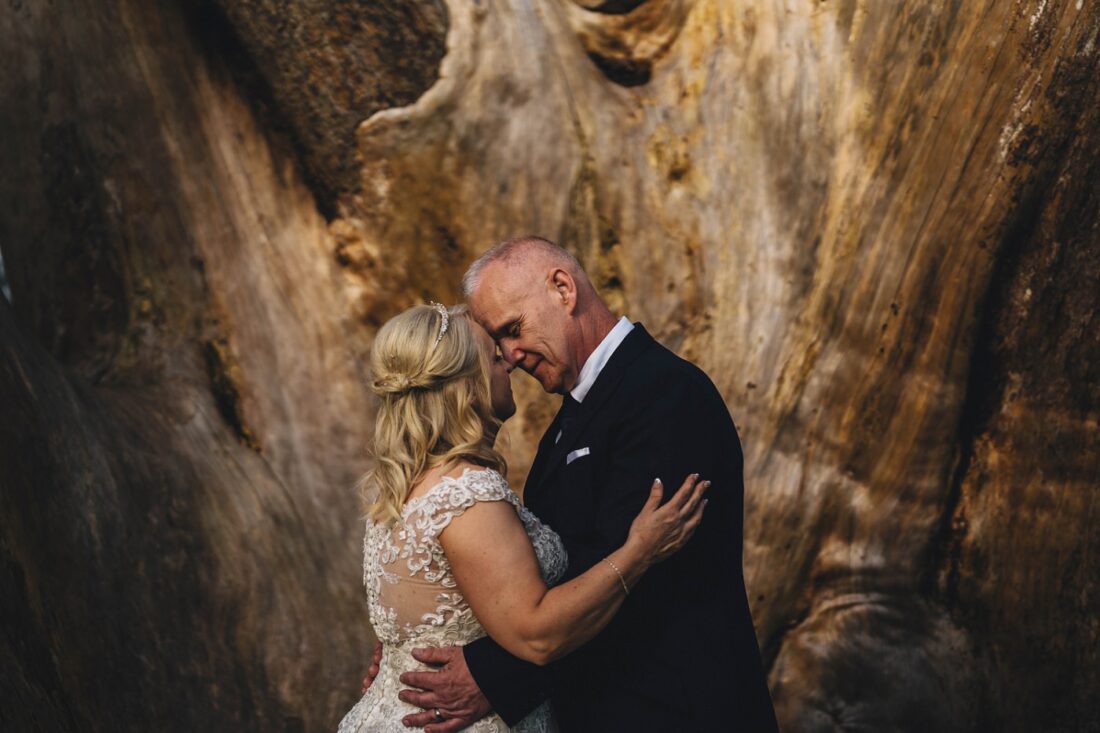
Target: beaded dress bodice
x=414, y=600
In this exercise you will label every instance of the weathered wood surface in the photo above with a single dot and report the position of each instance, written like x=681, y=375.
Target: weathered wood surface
x=185, y=411
x=874, y=224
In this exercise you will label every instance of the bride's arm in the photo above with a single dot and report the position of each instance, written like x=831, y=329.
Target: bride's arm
x=496, y=570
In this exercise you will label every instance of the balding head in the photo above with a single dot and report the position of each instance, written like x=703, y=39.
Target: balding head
x=538, y=304
x=529, y=253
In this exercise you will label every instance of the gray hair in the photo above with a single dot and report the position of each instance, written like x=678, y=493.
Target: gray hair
x=518, y=247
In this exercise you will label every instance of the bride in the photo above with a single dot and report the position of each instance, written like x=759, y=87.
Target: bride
x=450, y=553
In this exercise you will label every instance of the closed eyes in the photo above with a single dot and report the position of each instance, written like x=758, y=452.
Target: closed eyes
x=510, y=330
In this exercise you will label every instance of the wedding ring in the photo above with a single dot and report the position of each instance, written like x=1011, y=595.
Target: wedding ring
x=438, y=715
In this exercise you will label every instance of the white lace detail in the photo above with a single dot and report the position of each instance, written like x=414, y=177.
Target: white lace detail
x=414, y=601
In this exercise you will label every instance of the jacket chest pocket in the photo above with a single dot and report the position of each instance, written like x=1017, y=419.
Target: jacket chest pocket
x=575, y=490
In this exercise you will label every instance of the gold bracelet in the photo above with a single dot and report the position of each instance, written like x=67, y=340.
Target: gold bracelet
x=619, y=573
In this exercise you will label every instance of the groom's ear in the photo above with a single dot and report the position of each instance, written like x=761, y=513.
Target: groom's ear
x=565, y=288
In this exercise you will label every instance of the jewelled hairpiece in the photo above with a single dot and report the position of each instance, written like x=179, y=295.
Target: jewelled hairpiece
x=446, y=319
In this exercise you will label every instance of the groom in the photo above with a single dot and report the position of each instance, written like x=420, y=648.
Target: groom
x=681, y=654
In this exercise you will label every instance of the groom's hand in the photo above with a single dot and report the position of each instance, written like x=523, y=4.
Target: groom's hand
x=448, y=688
x=372, y=670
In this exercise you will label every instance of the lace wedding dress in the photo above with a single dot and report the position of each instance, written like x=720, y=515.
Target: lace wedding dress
x=414, y=601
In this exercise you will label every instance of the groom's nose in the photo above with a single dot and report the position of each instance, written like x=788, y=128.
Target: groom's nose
x=512, y=355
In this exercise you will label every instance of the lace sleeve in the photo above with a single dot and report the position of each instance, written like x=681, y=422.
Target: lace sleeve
x=431, y=513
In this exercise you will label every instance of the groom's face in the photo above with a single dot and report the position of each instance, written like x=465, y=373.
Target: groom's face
x=524, y=313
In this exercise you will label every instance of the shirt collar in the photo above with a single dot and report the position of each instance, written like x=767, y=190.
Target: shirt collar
x=599, y=358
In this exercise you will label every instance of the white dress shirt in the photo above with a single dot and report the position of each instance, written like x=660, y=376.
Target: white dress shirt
x=597, y=360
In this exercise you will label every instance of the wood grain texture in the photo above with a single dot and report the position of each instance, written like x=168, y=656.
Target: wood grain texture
x=874, y=224
x=186, y=408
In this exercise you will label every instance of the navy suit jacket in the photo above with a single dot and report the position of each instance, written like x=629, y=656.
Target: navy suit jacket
x=682, y=652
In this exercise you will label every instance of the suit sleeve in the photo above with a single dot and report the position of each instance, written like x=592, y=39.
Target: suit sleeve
x=513, y=686
x=666, y=435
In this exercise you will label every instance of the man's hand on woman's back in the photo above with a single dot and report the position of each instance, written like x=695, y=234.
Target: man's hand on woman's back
x=372, y=670
x=447, y=692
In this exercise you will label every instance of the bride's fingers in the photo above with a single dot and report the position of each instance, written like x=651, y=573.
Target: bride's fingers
x=656, y=491
x=681, y=526
x=688, y=526
x=696, y=516
x=696, y=499
x=683, y=493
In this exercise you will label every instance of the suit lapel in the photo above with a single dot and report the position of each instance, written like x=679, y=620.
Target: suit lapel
x=539, y=465
x=551, y=455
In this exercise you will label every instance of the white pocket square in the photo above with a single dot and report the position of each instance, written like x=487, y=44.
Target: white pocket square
x=575, y=454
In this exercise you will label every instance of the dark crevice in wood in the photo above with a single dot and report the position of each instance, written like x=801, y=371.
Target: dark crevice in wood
x=988, y=373
x=224, y=386
x=770, y=647
x=227, y=56
x=624, y=72
x=614, y=7
x=984, y=389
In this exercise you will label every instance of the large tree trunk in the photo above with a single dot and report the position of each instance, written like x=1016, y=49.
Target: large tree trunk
x=876, y=225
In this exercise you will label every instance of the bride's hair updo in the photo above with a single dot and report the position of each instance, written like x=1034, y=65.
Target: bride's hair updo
x=434, y=404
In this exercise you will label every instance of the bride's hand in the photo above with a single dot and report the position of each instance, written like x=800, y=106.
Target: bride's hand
x=660, y=530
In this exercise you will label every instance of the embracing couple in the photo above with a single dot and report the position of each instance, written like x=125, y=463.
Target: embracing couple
x=606, y=601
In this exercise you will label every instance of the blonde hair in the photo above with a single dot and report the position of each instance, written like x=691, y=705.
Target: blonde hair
x=435, y=404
